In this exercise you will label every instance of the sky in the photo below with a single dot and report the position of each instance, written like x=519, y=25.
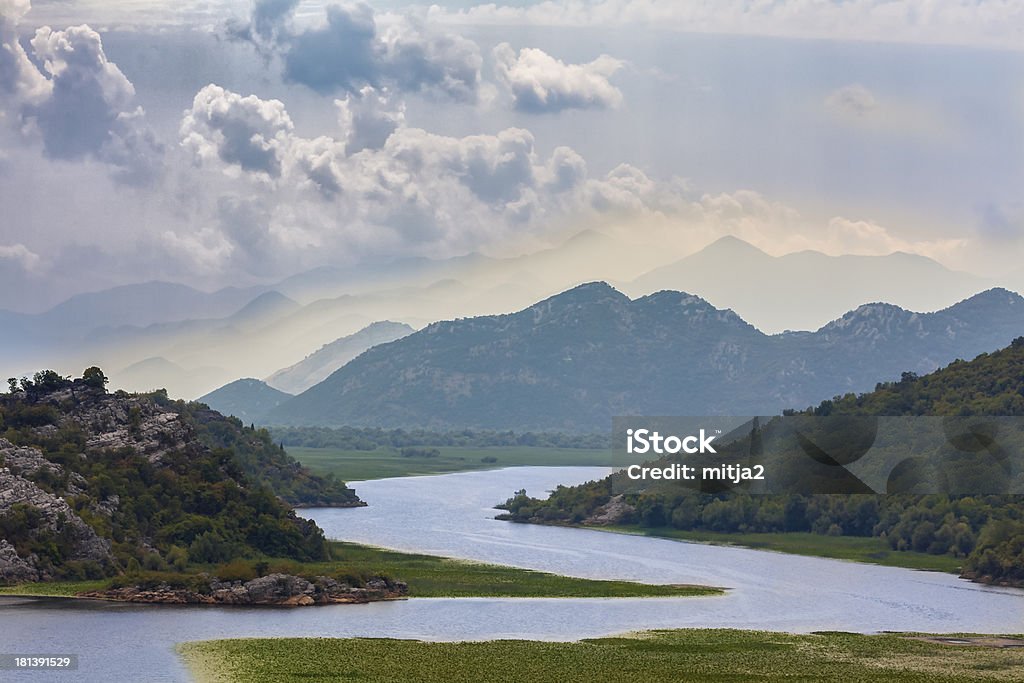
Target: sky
x=233, y=143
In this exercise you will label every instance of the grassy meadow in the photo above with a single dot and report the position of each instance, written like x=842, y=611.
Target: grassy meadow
x=652, y=657
x=428, y=576
x=855, y=548
x=381, y=463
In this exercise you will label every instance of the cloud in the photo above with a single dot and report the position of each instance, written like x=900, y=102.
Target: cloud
x=246, y=132
x=986, y=23
x=21, y=256
x=852, y=100
x=377, y=185
x=205, y=250
x=857, y=106
x=79, y=104
x=268, y=20
x=1002, y=223
x=20, y=80
x=406, y=190
x=348, y=51
x=846, y=236
x=370, y=117
x=539, y=83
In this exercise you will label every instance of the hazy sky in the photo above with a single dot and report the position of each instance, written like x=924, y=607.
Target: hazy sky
x=232, y=142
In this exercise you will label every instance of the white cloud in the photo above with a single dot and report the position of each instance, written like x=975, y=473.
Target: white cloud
x=246, y=132
x=289, y=198
x=205, y=250
x=988, y=23
x=845, y=236
x=378, y=185
x=20, y=80
x=20, y=255
x=80, y=105
x=370, y=117
x=539, y=83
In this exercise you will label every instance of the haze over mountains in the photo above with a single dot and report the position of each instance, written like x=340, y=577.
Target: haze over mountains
x=319, y=365
x=168, y=335
x=575, y=360
x=807, y=289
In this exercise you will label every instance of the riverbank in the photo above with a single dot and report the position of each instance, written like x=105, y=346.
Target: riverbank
x=654, y=657
x=383, y=463
x=426, y=576
x=852, y=548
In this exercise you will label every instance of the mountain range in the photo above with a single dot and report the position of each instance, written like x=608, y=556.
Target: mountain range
x=805, y=290
x=174, y=336
x=573, y=361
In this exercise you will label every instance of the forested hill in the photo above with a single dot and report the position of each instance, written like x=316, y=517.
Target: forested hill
x=987, y=532
x=94, y=483
x=991, y=384
x=572, y=362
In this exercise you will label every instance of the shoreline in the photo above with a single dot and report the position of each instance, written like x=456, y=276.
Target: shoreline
x=423, y=576
x=786, y=543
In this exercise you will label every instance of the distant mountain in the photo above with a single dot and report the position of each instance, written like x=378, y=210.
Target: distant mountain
x=265, y=308
x=319, y=365
x=159, y=373
x=804, y=290
x=575, y=360
x=144, y=304
x=247, y=399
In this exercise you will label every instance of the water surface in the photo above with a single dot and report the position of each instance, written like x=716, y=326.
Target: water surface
x=450, y=515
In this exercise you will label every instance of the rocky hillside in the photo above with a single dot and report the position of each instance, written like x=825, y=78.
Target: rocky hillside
x=93, y=484
x=574, y=361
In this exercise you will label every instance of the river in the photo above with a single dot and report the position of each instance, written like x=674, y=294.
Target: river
x=451, y=515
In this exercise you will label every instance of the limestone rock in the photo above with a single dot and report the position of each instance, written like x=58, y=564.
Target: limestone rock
x=24, y=460
x=14, y=569
x=56, y=517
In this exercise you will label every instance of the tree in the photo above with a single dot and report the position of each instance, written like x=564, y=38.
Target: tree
x=94, y=377
x=48, y=380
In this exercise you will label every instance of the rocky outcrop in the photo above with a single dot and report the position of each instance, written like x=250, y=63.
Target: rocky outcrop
x=14, y=569
x=25, y=461
x=131, y=422
x=273, y=589
x=147, y=476
x=615, y=511
x=55, y=517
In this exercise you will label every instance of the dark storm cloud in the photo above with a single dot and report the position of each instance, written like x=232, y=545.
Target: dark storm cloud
x=350, y=51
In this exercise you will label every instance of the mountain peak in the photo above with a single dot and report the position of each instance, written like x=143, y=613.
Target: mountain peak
x=248, y=399
x=995, y=296
x=867, y=317
x=731, y=246
x=268, y=302
x=588, y=292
